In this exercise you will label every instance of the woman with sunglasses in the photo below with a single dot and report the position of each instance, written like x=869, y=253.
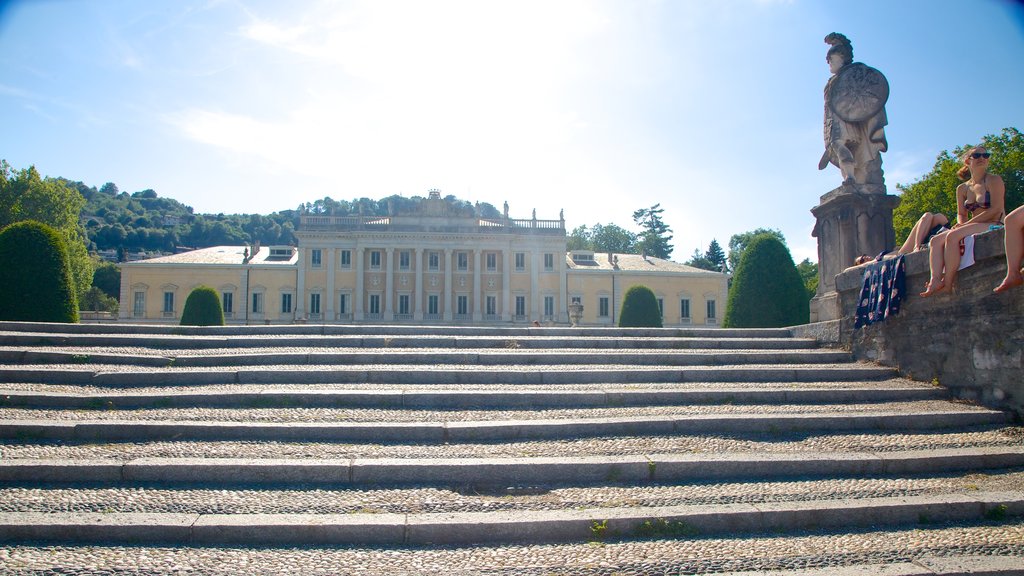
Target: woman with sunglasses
x=979, y=204
x=1014, y=250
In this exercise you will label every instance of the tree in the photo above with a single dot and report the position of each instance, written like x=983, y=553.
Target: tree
x=809, y=274
x=716, y=255
x=578, y=239
x=612, y=238
x=654, y=240
x=107, y=278
x=35, y=275
x=202, y=308
x=25, y=195
x=640, y=309
x=701, y=261
x=739, y=242
x=767, y=291
x=98, y=301
x=936, y=190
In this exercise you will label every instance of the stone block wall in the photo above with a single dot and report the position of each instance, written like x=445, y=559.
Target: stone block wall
x=971, y=341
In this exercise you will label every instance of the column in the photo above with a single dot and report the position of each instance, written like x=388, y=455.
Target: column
x=417, y=296
x=358, y=297
x=389, y=283
x=506, y=283
x=477, y=288
x=563, y=289
x=300, y=290
x=332, y=256
x=448, y=284
x=535, y=299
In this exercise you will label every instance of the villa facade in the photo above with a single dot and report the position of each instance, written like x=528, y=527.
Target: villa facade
x=438, y=265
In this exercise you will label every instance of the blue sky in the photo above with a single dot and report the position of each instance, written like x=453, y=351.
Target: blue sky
x=711, y=108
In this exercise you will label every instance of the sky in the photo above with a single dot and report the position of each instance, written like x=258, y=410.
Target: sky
x=712, y=109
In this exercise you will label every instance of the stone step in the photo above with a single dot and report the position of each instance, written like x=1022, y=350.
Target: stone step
x=342, y=425
x=270, y=357
x=119, y=376
x=462, y=528
x=490, y=472
x=284, y=331
x=263, y=397
x=232, y=342
x=931, y=549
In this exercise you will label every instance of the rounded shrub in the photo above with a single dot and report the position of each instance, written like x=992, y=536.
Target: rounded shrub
x=202, y=308
x=35, y=275
x=767, y=291
x=640, y=309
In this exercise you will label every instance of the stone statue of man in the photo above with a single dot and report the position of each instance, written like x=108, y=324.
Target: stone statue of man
x=855, y=120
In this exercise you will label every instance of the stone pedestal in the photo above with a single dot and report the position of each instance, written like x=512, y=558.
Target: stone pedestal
x=850, y=222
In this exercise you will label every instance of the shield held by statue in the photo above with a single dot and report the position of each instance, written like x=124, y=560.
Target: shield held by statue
x=858, y=93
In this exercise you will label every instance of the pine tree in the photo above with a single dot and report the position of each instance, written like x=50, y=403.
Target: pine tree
x=654, y=240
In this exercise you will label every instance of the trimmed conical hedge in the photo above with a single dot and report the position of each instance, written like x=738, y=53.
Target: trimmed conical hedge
x=202, y=308
x=640, y=309
x=35, y=275
x=767, y=291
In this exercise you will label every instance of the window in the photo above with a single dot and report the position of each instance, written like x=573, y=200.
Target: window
x=168, y=303
x=463, y=260
x=404, y=258
x=492, y=262
x=711, y=310
x=343, y=303
x=139, y=305
x=549, y=262
x=433, y=302
x=462, y=305
x=314, y=303
x=602, y=307
x=228, y=302
x=346, y=258
x=403, y=304
x=684, y=308
x=375, y=259
x=549, y=306
x=521, y=306
x=577, y=300
x=491, y=305
x=316, y=257
x=520, y=261
x=286, y=303
x=257, y=303
x=374, y=303
x=434, y=260
x=661, y=307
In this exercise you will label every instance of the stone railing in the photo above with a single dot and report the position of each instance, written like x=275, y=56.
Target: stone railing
x=971, y=341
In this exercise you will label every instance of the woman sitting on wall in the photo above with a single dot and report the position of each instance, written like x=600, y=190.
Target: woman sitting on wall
x=979, y=204
x=1014, y=250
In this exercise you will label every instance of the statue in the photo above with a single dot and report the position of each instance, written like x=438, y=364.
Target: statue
x=855, y=120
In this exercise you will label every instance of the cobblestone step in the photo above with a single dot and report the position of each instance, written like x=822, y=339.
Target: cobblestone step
x=461, y=528
x=933, y=549
x=510, y=471
x=482, y=397
x=121, y=376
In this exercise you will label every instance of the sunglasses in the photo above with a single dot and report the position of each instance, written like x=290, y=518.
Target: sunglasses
x=977, y=155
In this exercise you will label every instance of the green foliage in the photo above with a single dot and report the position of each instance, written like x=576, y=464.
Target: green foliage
x=660, y=527
x=936, y=190
x=713, y=259
x=97, y=300
x=809, y=274
x=603, y=238
x=739, y=242
x=766, y=291
x=107, y=277
x=35, y=275
x=25, y=195
x=654, y=240
x=202, y=308
x=640, y=309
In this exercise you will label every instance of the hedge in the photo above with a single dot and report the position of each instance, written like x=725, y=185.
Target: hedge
x=35, y=275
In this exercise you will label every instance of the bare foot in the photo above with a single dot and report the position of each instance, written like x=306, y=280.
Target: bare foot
x=932, y=288
x=1008, y=283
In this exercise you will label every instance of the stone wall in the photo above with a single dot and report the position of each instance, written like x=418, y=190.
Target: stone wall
x=971, y=341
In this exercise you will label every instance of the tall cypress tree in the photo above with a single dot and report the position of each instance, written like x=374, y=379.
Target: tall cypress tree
x=767, y=291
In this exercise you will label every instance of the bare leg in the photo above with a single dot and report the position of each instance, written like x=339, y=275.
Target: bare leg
x=936, y=254
x=914, y=238
x=1014, y=250
x=952, y=251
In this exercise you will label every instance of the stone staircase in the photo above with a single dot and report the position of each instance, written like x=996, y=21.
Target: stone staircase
x=398, y=449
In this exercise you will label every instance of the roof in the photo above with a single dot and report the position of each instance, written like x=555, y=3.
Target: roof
x=632, y=263
x=224, y=255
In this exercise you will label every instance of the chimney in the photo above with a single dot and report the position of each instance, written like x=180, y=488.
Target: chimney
x=255, y=247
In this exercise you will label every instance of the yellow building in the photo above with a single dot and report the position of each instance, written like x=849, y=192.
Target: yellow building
x=438, y=265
